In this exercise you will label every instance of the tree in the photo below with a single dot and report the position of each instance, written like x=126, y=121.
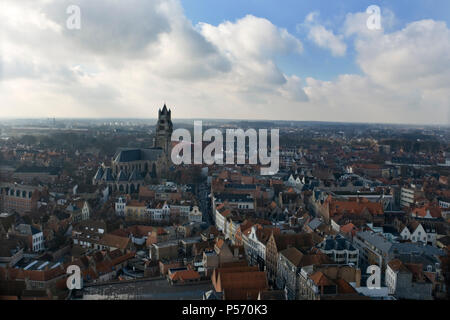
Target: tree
x=28, y=140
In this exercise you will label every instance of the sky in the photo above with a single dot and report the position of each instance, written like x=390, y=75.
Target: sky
x=247, y=59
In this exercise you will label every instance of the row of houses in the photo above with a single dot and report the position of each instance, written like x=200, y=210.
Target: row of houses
x=162, y=212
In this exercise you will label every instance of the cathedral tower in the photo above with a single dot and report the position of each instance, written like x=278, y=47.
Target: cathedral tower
x=164, y=130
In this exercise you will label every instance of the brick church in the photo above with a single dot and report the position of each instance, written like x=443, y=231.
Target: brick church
x=130, y=167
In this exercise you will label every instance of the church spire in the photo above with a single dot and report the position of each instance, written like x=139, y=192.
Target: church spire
x=164, y=128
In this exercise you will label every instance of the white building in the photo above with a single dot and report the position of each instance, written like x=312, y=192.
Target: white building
x=295, y=182
x=237, y=201
x=232, y=226
x=182, y=210
x=255, y=249
x=444, y=203
x=408, y=196
x=120, y=206
x=195, y=215
x=37, y=239
x=35, y=235
x=221, y=217
x=402, y=284
x=415, y=232
x=159, y=214
x=86, y=211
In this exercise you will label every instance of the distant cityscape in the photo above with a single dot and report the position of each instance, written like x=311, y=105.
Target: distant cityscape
x=104, y=195
x=223, y=159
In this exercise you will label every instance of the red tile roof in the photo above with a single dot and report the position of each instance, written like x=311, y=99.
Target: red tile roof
x=338, y=207
x=184, y=275
x=320, y=279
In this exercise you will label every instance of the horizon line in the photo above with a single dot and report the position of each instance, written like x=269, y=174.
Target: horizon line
x=230, y=119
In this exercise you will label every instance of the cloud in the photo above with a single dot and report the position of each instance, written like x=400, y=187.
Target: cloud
x=323, y=37
x=252, y=44
x=406, y=75
x=356, y=24
x=112, y=28
x=418, y=56
x=251, y=37
x=130, y=57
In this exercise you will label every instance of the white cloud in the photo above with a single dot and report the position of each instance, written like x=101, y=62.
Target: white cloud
x=120, y=64
x=252, y=44
x=417, y=56
x=323, y=37
x=131, y=56
x=406, y=75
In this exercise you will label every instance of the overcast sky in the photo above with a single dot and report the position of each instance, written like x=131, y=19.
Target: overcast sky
x=249, y=59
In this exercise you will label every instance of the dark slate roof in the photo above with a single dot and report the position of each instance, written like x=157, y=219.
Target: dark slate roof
x=107, y=176
x=315, y=223
x=240, y=186
x=122, y=176
x=135, y=176
x=391, y=230
x=129, y=155
x=99, y=174
x=36, y=169
x=376, y=240
x=34, y=230
x=233, y=197
x=338, y=243
x=72, y=208
x=414, y=248
x=152, y=154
